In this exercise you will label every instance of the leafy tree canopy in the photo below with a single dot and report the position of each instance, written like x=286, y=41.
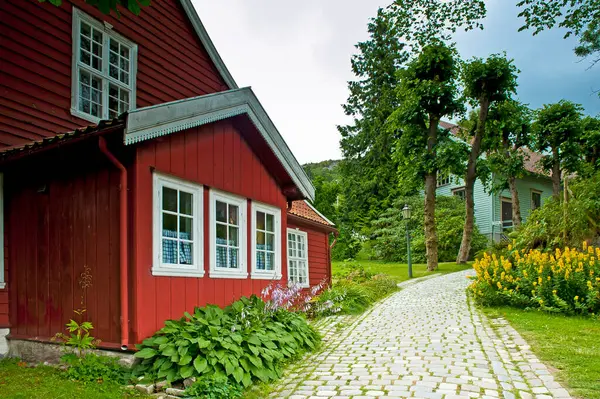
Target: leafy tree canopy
x=579, y=17
x=106, y=6
x=590, y=143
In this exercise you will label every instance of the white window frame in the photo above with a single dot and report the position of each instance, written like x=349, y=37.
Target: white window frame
x=304, y=234
x=274, y=274
x=443, y=179
x=107, y=32
x=456, y=190
x=242, y=204
x=177, y=270
x=2, y=281
x=534, y=191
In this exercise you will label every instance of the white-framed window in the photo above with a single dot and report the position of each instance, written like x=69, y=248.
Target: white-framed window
x=536, y=199
x=177, y=243
x=266, y=242
x=2, y=281
x=443, y=179
x=298, y=257
x=103, y=72
x=227, y=235
x=460, y=192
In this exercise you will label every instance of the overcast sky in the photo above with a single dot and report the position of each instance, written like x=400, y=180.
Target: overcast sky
x=296, y=56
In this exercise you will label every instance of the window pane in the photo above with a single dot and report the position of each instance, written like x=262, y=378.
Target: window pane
x=169, y=251
x=260, y=220
x=185, y=253
x=185, y=228
x=270, y=223
x=233, y=236
x=233, y=214
x=221, y=210
x=270, y=242
x=185, y=203
x=169, y=225
x=221, y=256
x=169, y=199
x=221, y=234
x=233, y=258
x=260, y=260
x=270, y=261
x=260, y=240
x=85, y=29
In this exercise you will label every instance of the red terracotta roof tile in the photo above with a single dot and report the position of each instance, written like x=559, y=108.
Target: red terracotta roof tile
x=304, y=210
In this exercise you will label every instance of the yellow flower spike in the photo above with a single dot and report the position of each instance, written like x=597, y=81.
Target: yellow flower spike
x=576, y=298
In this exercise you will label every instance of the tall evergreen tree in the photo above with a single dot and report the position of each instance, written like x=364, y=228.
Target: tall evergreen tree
x=369, y=172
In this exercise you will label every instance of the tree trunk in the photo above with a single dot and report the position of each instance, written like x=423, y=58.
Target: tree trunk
x=431, y=239
x=555, y=174
x=470, y=177
x=516, y=205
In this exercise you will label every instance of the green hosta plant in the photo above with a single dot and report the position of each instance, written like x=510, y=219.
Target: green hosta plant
x=243, y=342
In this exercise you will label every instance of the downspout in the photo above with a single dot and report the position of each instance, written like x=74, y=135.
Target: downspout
x=123, y=255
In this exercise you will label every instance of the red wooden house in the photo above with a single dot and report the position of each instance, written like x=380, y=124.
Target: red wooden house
x=137, y=180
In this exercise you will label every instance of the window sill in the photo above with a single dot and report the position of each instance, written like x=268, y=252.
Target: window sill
x=84, y=116
x=2, y=286
x=265, y=276
x=177, y=273
x=228, y=274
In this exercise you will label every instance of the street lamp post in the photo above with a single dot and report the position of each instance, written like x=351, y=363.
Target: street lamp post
x=406, y=213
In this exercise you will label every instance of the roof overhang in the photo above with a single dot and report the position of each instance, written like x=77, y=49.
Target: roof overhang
x=189, y=9
x=163, y=119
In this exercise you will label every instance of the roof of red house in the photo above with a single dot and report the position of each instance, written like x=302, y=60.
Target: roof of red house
x=305, y=210
x=531, y=158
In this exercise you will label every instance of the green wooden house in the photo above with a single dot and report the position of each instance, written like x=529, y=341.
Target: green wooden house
x=493, y=211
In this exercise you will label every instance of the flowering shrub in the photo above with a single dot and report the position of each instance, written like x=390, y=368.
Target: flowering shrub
x=290, y=297
x=564, y=281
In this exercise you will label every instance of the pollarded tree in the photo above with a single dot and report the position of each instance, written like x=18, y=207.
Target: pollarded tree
x=427, y=92
x=106, y=6
x=485, y=82
x=557, y=130
x=509, y=131
x=590, y=144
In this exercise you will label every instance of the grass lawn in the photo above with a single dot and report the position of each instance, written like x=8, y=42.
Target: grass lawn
x=399, y=271
x=43, y=382
x=569, y=344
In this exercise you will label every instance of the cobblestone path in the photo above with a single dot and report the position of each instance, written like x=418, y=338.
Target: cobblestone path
x=426, y=341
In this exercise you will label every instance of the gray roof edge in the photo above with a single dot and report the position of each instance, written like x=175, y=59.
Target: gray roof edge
x=163, y=119
x=189, y=9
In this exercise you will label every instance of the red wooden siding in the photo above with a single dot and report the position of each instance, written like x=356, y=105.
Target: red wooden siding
x=217, y=156
x=36, y=47
x=59, y=222
x=319, y=259
x=4, y=292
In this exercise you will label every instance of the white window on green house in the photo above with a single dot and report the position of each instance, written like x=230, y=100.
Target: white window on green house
x=177, y=227
x=459, y=192
x=298, y=257
x=227, y=235
x=536, y=199
x=266, y=241
x=104, y=70
x=443, y=179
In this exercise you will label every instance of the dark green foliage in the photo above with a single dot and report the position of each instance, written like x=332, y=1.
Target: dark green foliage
x=590, y=144
x=578, y=17
x=106, y=6
x=94, y=368
x=390, y=241
x=558, y=225
x=243, y=342
x=213, y=387
x=494, y=79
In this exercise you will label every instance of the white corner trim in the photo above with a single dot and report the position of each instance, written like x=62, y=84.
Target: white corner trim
x=274, y=274
x=242, y=204
x=319, y=213
x=210, y=48
x=159, y=120
x=176, y=270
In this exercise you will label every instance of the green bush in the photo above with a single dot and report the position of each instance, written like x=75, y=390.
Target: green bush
x=557, y=225
x=94, y=368
x=390, y=233
x=352, y=270
x=212, y=387
x=242, y=342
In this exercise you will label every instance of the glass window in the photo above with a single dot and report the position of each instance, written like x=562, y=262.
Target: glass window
x=228, y=216
x=460, y=193
x=178, y=227
x=104, y=66
x=536, y=200
x=297, y=257
x=266, y=241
